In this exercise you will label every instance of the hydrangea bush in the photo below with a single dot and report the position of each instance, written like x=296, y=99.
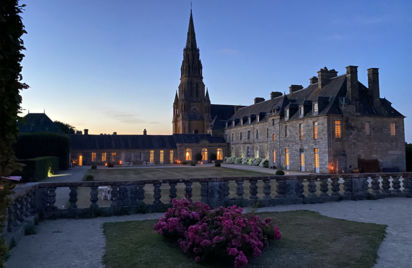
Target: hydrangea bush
x=223, y=232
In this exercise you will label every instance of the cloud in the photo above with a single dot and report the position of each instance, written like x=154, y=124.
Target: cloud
x=228, y=51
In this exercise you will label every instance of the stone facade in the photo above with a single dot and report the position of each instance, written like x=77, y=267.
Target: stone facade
x=353, y=126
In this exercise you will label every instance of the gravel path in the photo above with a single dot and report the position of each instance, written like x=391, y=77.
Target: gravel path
x=80, y=243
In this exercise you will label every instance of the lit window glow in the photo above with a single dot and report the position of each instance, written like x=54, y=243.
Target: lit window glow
x=162, y=156
x=338, y=129
x=188, y=155
x=204, y=154
x=219, y=154
x=171, y=156
x=151, y=159
x=393, y=129
x=315, y=130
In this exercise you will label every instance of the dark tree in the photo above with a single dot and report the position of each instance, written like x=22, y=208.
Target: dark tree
x=65, y=128
x=408, y=156
x=11, y=47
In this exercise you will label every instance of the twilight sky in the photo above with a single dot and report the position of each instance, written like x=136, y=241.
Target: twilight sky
x=115, y=65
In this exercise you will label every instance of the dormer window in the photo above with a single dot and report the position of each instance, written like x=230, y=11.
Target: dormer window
x=315, y=108
x=287, y=114
x=301, y=111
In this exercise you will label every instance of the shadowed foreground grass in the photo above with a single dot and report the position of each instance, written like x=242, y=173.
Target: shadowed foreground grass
x=309, y=240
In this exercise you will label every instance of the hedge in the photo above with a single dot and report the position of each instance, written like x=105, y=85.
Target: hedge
x=33, y=145
x=38, y=168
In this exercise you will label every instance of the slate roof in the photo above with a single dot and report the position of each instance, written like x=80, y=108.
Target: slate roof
x=37, y=122
x=332, y=95
x=132, y=142
x=220, y=113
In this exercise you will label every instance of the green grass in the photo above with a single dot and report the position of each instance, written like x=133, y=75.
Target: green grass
x=309, y=240
x=125, y=174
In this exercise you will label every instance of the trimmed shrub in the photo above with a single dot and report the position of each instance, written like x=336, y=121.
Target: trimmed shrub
x=94, y=166
x=256, y=162
x=44, y=144
x=264, y=163
x=222, y=233
x=89, y=178
x=279, y=172
x=213, y=156
x=229, y=160
x=245, y=161
x=238, y=160
x=198, y=157
x=218, y=163
x=38, y=168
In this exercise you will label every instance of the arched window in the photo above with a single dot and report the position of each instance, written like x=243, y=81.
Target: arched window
x=219, y=154
x=204, y=154
x=188, y=154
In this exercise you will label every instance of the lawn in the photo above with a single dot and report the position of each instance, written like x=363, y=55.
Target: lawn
x=308, y=240
x=126, y=174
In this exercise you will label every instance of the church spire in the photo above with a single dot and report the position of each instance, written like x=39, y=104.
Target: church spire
x=191, y=36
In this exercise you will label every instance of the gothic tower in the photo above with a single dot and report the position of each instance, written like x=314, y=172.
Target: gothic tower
x=191, y=107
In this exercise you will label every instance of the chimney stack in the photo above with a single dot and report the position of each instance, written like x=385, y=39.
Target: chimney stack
x=275, y=94
x=324, y=75
x=352, y=87
x=258, y=99
x=294, y=88
x=86, y=131
x=373, y=82
x=144, y=132
x=313, y=80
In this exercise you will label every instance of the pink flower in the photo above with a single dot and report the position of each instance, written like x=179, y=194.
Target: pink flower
x=232, y=251
x=197, y=259
x=205, y=243
x=240, y=259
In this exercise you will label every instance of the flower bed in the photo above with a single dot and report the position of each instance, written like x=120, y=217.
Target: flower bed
x=223, y=232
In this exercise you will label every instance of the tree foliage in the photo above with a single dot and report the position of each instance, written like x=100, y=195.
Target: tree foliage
x=11, y=47
x=65, y=128
x=409, y=157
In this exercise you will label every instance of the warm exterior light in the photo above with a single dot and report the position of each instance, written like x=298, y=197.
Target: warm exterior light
x=120, y=162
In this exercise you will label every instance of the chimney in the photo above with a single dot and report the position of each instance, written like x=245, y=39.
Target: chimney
x=275, y=94
x=313, y=80
x=352, y=88
x=324, y=75
x=144, y=132
x=373, y=83
x=258, y=99
x=86, y=131
x=294, y=88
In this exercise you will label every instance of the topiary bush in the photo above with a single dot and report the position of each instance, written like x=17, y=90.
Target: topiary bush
x=256, y=161
x=279, y=172
x=218, y=163
x=238, y=160
x=223, y=233
x=245, y=161
x=33, y=145
x=264, y=163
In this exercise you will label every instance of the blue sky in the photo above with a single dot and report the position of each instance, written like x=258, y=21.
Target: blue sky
x=115, y=65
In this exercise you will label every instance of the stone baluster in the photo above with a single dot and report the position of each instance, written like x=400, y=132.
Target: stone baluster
x=281, y=190
x=376, y=189
x=172, y=190
x=133, y=196
x=312, y=197
x=224, y=192
x=253, y=190
x=386, y=185
x=267, y=191
x=140, y=193
x=324, y=188
x=396, y=185
x=348, y=188
x=299, y=190
x=335, y=188
x=73, y=198
x=188, y=190
x=204, y=192
x=49, y=201
x=157, y=195
x=239, y=190
x=93, y=199
x=115, y=199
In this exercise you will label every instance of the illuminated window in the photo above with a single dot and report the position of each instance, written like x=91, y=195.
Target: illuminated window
x=273, y=137
x=316, y=153
x=162, y=156
x=368, y=128
x=113, y=156
x=188, y=154
x=302, y=161
x=274, y=156
x=204, y=154
x=338, y=129
x=93, y=157
x=104, y=155
x=315, y=130
x=300, y=132
x=393, y=129
x=80, y=160
x=287, y=158
x=171, y=156
x=219, y=154
x=286, y=131
x=315, y=108
x=152, y=156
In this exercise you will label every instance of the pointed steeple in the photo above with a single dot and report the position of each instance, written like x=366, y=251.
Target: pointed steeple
x=207, y=95
x=191, y=36
x=176, y=98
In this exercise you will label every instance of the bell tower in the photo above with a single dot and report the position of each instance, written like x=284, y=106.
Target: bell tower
x=191, y=107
